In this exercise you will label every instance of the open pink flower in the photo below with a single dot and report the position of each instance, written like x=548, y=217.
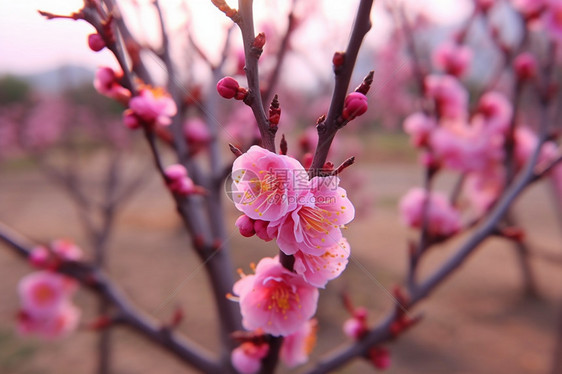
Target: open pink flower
x=275, y=299
x=419, y=126
x=483, y=189
x=153, y=106
x=315, y=225
x=265, y=185
x=443, y=219
x=451, y=98
x=42, y=293
x=247, y=357
x=318, y=270
x=196, y=134
x=63, y=321
x=453, y=58
x=297, y=347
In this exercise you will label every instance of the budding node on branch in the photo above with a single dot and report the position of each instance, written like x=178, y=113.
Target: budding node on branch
x=338, y=61
x=259, y=42
x=366, y=84
x=274, y=112
x=283, y=148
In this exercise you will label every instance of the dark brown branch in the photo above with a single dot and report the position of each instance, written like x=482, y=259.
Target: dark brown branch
x=252, y=54
x=327, y=129
x=96, y=281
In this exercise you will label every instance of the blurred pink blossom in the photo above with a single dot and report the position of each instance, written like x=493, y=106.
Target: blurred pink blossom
x=246, y=358
x=453, y=58
x=297, y=347
x=443, y=219
x=451, y=98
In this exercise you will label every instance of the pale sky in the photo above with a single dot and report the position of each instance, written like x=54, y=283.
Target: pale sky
x=28, y=43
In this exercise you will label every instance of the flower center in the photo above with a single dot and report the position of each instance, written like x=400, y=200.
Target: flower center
x=43, y=294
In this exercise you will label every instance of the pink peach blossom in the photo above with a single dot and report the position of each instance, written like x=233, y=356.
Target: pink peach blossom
x=419, y=126
x=297, y=347
x=496, y=110
x=179, y=182
x=66, y=250
x=42, y=293
x=529, y=8
x=483, y=189
x=443, y=219
x=450, y=96
x=314, y=226
x=318, y=270
x=247, y=357
x=265, y=185
x=466, y=148
x=153, y=106
x=39, y=256
x=196, y=134
x=525, y=66
x=525, y=143
x=275, y=299
x=552, y=19
x=106, y=82
x=453, y=58
x=63, y=321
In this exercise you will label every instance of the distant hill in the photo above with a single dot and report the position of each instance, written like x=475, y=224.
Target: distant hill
x=58, y=79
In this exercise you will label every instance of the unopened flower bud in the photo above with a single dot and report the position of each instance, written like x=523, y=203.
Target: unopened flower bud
x=259, y=41
x=525, y=66
x=338, y=60
x=246, y=226
x=130, y=120
x=260, y=227
x=175, y=172
x=228, y=87
x=380, y=357
x=355, y=105
x=39, y=257
x=96, y=42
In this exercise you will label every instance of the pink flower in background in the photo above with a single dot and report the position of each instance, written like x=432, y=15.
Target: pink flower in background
x=525, y=66
x=153, y=106
x=197, y=134
x=466, y=148
x=525, y=143
x=246, y=358
x=297, y=347
x=315, y=225
x=59, y=324
x=483, y=189
x=318, y=270
x=356, y=327
x=443, y=219
x=46, y=308
x=266, y=185
x=496, y=110
x=453, y=58
x=66, y=250
x=106, y=82
x=485, y=5
x=39, y=256
x=241, y=127
x=275, y=299
x=42, y=293
x=552, y=19
x=45, y=124
x=419, y=126
x=179, y=182
x=451, y=98
x=529, y=8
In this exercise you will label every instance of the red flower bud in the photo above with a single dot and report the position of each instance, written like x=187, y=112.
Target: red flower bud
x=246, y=226
x=525, y=66
x=96, y=42
x=380, y=357
x=355, y=105
x=228, y=87
x=338, y=60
